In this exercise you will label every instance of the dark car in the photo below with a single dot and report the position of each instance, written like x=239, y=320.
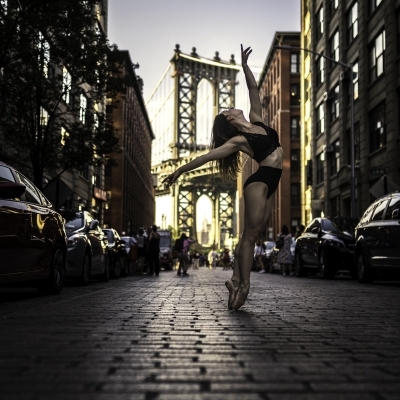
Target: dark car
x=33, y=244
x=378, y=240
x=324, y=248
x=117, y=253
x=87, y=247
x=165, y=249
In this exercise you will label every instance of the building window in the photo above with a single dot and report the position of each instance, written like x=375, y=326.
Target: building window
x=44, y=55
x=295, y=128
x=334, y=46
x=295, y=194
x=355, y=81
x=376, y=56
x=295, y=161
x=295, y=94
x=352, y=23
x=373, y=5
x=335, y=104
x=320, y=119
x=320, y=168
x=335, y=158
x=320, y=70
x=377, y=128
x=64, y=136
x=82, y=108
x=320, y=23
x=66, y=87
x=334, y=4
x=295, y=63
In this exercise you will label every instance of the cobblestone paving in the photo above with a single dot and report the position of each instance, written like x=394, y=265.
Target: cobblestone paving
x=172, y=338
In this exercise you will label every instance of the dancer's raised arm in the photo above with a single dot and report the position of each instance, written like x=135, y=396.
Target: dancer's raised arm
x=255, y=102
x=231, y=146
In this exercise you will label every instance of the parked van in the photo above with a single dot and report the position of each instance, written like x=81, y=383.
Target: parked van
x=165, y=249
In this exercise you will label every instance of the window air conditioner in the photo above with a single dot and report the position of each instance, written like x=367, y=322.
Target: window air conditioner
x=329, y=149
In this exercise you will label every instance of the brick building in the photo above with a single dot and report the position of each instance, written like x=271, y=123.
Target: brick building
x=129, y=185
x=366, y=34
x=279, y=87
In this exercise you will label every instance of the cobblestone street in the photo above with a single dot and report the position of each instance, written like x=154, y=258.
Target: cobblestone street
x=172, y=338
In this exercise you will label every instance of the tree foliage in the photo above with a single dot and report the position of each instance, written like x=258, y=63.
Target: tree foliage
x=54, y=79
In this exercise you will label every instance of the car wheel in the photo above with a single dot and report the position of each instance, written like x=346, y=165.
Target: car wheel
x=54, y=283
x=85, y=276
x=299, y=269
x=325, y=268
x=117, y=267
x=364, y=272
x=105, y=276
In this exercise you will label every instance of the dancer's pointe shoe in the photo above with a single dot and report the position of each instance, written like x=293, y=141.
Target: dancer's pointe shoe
x=241, y=295
x=233, y=286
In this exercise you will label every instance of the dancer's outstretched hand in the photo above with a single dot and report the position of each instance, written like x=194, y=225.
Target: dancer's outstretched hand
x=171, y=179
x=245, y=54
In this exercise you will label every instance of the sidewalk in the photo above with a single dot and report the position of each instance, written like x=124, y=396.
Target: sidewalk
x=172, y=338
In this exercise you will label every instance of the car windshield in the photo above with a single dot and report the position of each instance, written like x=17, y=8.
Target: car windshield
x=346, y=224
x=165, y=241
x=330, y=226
x=110, y=236
x=73, y=220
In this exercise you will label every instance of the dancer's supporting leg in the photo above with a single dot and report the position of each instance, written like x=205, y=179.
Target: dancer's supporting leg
x=257, y=211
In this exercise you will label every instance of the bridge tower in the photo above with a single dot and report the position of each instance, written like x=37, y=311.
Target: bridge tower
x=181, y=142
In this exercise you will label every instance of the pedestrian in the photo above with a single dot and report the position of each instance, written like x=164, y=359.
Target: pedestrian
x=154, y=251
x=201, y=260
x=213, y=259
x=196, y=260
x=233, y=134
x=259, y=253
x=132, y=253
x=147, y=251
x=299, y=231
x=284, y=255
x=181, y=247
x=226, y=259
x=186, y=249
x=141, y=252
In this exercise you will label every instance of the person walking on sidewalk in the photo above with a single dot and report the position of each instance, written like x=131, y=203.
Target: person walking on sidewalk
x=141, y=252
x=284, y=255
x=260, y=251
x=183, y=262
x=132, y=253
x=232, y=133
x=154, y=250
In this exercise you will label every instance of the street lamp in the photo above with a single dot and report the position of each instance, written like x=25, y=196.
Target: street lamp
x=352, y=155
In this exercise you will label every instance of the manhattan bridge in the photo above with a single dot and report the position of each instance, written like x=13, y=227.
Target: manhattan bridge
x=182, y=108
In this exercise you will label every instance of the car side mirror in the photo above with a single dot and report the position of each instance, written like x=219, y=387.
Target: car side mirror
x=93, y=225
x=396, y=214
x=11, y=190
x=314, y=230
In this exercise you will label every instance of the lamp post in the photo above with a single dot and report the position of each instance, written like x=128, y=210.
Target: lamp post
x=352, y=155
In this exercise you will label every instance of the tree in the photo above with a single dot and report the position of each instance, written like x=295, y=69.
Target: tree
x=54, y=78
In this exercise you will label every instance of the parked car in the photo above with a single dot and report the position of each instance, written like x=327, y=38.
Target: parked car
x=117, y=253
x=87, y=247
x=33, y=247
x=269, y=246
x=165, y=249
x=377, y=235
x=324, y=248
x=125, y=239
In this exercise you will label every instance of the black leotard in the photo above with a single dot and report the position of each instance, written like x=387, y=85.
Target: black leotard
x=263, y=146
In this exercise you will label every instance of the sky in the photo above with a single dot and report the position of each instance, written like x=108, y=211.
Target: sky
x=150, y=29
